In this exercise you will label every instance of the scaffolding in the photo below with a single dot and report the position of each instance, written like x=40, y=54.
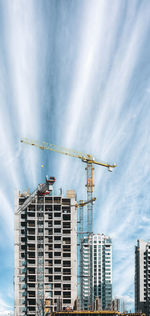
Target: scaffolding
x=80, y=237
x=89, y=170
x=83, y=236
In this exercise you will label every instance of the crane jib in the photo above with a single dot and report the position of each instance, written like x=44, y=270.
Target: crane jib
x=87, y=158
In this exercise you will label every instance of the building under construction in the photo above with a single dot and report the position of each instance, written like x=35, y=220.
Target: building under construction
x=45, y=246
x=45, y=251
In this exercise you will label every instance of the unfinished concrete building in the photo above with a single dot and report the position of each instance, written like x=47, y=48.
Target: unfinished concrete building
x=45, y=252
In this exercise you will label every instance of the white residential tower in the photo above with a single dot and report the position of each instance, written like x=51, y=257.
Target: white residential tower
x=96, y=272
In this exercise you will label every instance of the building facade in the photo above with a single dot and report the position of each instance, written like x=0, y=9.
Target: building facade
x=45, y=254
x=116, y=304
x=142, y=277
x=96, y=272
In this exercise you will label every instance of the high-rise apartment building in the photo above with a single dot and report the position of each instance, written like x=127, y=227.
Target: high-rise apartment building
x=45, y=253
x=96, y=272
x=142, y=277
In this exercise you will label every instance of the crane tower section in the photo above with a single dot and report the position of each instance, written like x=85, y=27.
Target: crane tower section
x=89, y=171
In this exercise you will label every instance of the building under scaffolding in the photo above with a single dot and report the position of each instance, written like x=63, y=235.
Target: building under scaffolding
x=45, y=252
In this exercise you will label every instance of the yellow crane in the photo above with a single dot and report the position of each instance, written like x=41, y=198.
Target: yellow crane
x=82, y=203
x=86, y=158
x=81, y=219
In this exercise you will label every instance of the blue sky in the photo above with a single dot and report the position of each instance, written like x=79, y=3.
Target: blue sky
x=76, y=74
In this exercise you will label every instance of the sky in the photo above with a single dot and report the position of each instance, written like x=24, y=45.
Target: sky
x=76, y=74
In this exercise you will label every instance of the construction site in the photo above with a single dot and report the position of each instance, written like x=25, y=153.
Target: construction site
x=58, y=259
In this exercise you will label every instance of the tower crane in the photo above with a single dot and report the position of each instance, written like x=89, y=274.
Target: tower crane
x=81, y=204
x=86, y=158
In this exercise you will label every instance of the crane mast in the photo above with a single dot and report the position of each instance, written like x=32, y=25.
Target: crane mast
x=82, y=233
x=89, y=185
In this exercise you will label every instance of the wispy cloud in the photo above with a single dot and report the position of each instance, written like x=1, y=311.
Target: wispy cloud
x=5, y=309
x=118, y=127
x=21, y=30
x=79, y=74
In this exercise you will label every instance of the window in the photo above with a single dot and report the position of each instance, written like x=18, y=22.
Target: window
x=40, y=230
x=66, y=217
x=66, y=225
x=65, y=201
x=67, y=255
x=57, y=261
x=57, y=237
x=32, y=278
x=57, y=246
x=66, y=264
x=66, y=286
x=66, y=271
x=66, y=240
x=57, y=254
x=57, y=269
x=31, y=271
x=67, y=301
x=31, y=309
x=67, y=278
x=31, y=293
x=57, y=293
x=57, y=285
x=57, y=207
x=57, y=214
x=66, y=248
x=57, y=222
x=57, y=277
x=66, y=231
x=66, y=294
